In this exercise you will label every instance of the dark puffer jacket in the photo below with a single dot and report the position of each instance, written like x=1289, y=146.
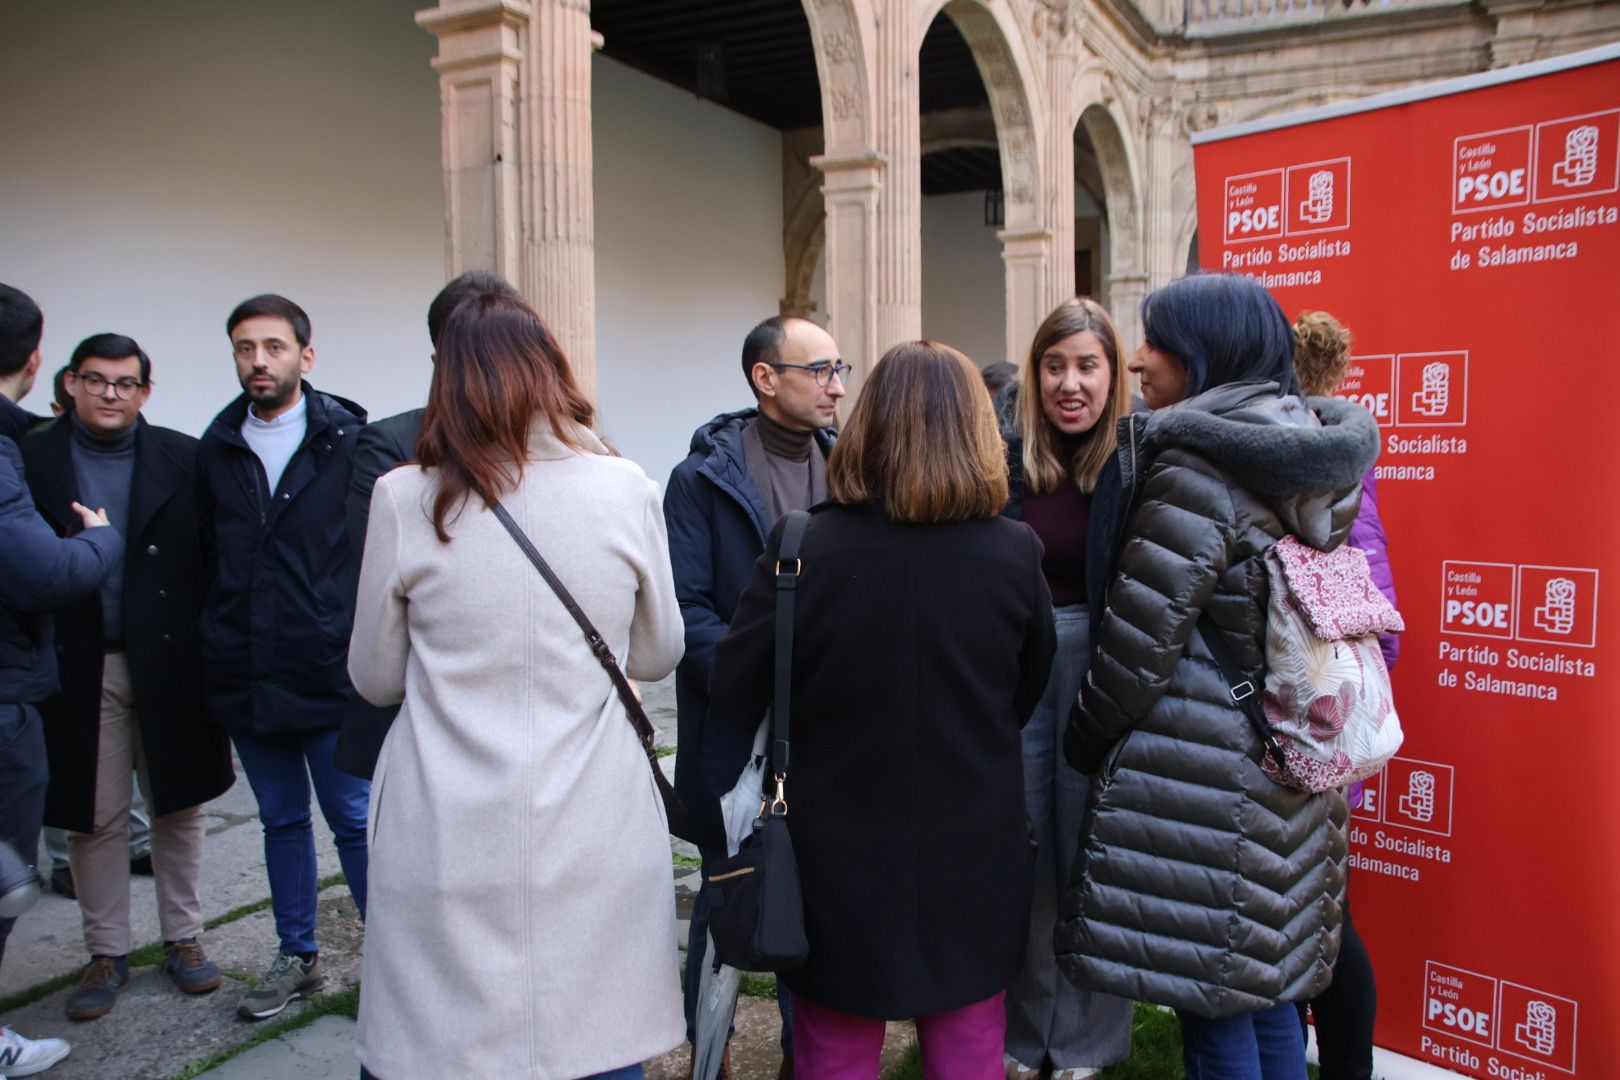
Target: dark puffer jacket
x=1202, y=884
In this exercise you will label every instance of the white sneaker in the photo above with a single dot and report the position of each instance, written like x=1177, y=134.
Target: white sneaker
x=1017, y=1070
x=25, y=1057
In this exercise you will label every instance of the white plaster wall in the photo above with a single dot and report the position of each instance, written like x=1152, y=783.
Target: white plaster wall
x=964, y=279
x=160, y=162
x=688, y=258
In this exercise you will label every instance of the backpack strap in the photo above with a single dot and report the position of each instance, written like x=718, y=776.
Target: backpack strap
x=1245, y=695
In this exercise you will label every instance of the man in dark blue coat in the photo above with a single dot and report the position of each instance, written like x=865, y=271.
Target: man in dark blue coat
x=273, y=474
x=38, y=571
x=745, y=470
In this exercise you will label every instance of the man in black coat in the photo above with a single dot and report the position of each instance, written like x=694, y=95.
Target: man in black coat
x=38, y=571
x=745, y=470
x=381, y=446
x=273, y=473
x=131, y=667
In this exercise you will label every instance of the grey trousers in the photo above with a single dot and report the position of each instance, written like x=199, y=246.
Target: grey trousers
x=1048, y=1018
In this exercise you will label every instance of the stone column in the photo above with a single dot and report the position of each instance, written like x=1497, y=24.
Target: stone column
x=558, y=272
x=1027, y=253
x=1125, y=295
x=1062, y=63
x=481, y=45
x=852, y=191
x=898, y=291
x=1162, y=139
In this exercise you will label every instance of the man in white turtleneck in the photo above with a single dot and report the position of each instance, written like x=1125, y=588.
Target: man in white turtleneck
x=745, y=470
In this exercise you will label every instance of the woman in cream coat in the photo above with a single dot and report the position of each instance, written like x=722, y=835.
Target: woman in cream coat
x=522, y=919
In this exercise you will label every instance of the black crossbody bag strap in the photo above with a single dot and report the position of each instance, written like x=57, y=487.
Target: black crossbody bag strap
x=604, y=656
x=787, y=581
x=1245, y=695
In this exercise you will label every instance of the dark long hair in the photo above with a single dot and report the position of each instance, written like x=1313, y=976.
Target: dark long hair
x=1223, y=328
x=498, y=372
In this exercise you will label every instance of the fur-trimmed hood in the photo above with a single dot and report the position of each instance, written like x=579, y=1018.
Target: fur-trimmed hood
x=1306, y=458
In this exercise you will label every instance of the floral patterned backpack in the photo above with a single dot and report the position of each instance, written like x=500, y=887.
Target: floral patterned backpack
x=1327, y=715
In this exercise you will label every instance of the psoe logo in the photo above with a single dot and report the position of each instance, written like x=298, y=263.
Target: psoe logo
x=1577, y=156
x=1459, y=1003
x=1537, y=1026
x=1431, y=389
x=1490, y=170
x=1558, y=605
x=1418, y=795
x=1319, y=196
x=1254, y=206
x=1369, y=381
x=1476, y=599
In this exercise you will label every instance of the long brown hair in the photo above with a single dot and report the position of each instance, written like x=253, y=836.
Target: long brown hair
x=923, y=438
x=1043, y=468
x=497, y=371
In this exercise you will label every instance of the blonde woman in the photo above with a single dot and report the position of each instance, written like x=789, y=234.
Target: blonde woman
x=1064, y=485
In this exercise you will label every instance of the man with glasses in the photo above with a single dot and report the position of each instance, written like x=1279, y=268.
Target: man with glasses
x=273, y=473
x=131, y=701
x=745, y=470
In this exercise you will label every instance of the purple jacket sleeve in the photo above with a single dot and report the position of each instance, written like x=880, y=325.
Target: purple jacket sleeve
x=1367, y=533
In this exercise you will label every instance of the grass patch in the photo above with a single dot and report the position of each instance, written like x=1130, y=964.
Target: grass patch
x=666, y=751
x=757, y=985
x=1155, y=1048
x=342, y=1003
x=34, y=993
x=685, y=860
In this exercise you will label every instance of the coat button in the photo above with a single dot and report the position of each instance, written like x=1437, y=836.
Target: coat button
x=153, y=550
x=340, y=435
x=285, y=495
x=162, y=594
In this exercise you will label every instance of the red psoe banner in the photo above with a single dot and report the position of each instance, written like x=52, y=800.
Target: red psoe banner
x=1469, y=235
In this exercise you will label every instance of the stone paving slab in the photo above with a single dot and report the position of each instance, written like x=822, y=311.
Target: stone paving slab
x=323, y=1049
x=154, y=1031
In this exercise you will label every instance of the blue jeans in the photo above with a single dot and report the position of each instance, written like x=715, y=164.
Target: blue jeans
x=23, y=777
x=280, y=769
x=1264, y=1045
x=697, y=947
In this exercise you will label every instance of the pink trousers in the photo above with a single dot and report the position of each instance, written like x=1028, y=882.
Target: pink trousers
x=962, y=1044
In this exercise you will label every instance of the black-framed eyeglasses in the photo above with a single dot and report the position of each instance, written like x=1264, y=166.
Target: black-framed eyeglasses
x=823, y=370
x=97, y=384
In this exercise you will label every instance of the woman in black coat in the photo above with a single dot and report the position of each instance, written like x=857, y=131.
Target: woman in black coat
x=1201, y=884
x=922, y=641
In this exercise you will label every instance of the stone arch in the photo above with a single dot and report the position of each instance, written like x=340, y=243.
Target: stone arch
x=1119, y=174
x=844, y=36
x=1010, y=80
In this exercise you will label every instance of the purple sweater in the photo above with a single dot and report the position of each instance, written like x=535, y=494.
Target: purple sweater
x=1367, y=533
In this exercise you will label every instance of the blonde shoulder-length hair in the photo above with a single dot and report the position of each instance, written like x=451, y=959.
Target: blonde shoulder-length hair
x=923, y=440
x=1043, y=468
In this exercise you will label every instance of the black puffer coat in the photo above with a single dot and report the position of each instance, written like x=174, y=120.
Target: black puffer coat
x=1202, y=884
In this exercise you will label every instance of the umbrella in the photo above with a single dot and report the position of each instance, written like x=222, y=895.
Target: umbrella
x=719, y=983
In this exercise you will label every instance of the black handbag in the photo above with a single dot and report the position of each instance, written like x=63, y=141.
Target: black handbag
x=674, y=809
x=756, y=911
